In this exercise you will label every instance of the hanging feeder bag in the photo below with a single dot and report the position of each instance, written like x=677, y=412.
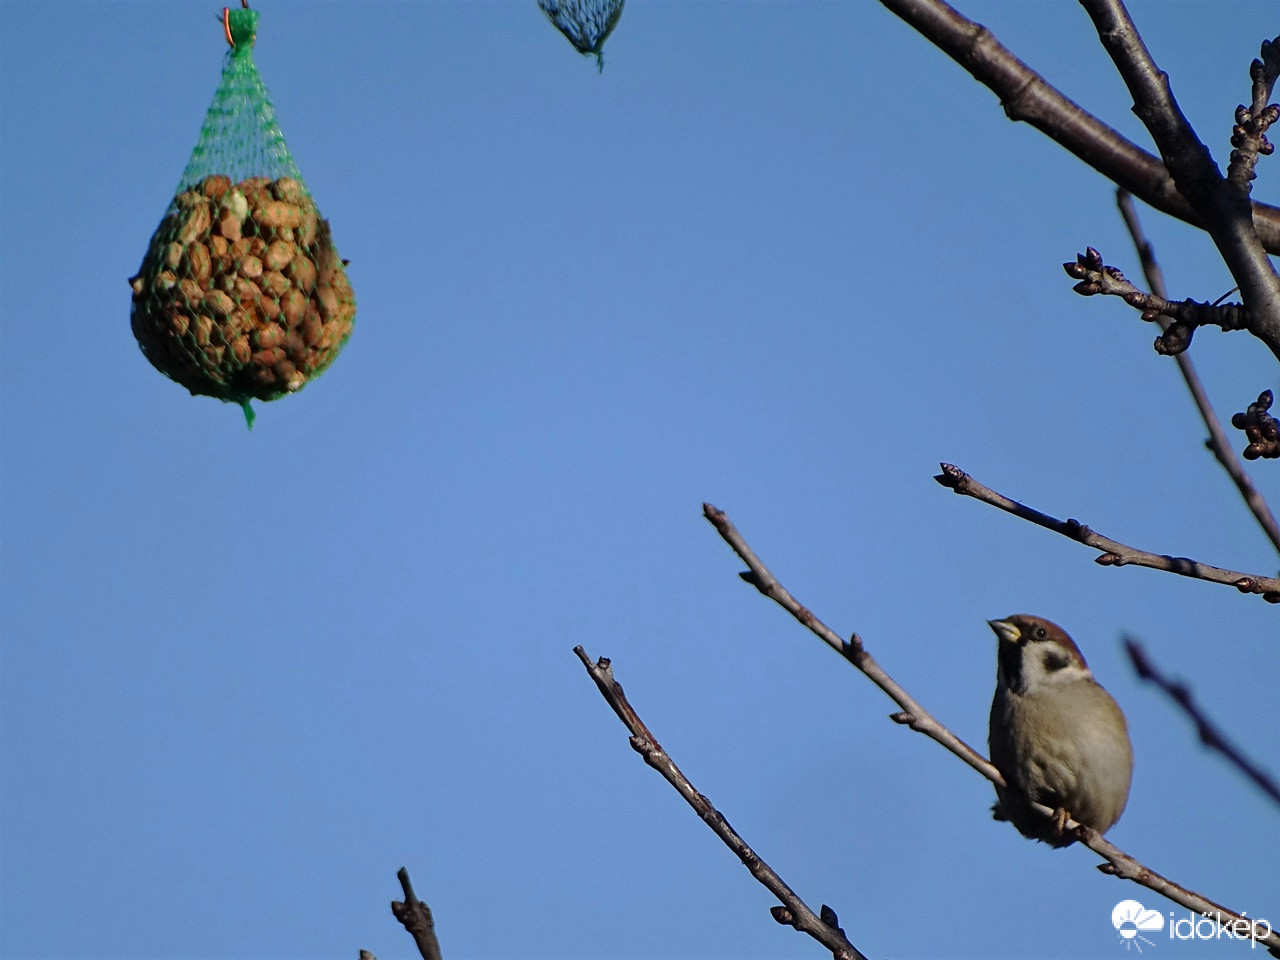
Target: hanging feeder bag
x=585, y=23
x=242, y=294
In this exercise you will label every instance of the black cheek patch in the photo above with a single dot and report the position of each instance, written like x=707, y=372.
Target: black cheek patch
x=1055, y=660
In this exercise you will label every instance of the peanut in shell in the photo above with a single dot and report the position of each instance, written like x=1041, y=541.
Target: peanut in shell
x=242, y=294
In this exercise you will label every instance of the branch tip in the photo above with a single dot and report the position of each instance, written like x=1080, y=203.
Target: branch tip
x=951, y=476
x=415, y=917
x=406, y=886
x=1137, y=657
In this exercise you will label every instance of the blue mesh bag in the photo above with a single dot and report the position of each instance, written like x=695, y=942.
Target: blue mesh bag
x=585, y=23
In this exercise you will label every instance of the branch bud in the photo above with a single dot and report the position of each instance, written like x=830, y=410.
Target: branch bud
x=951, y=476
x=1175, y=339
x=1077, y=530
x=1261, y=429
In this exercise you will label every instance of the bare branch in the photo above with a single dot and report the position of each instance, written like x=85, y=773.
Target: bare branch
x=912, y=713
x=1114, y=553
x=1118, y=863
x=1028, y=97
x=793, y=912
x=1208, y=732
x=1249, y=135
x=1223, y=208
x=416, y=918
x=1218, y=443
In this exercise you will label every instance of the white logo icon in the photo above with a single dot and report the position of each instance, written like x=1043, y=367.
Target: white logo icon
x=1131, y=919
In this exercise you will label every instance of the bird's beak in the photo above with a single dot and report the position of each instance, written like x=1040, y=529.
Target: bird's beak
x=1005, y=630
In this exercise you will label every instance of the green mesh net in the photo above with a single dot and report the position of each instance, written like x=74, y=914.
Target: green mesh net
x=585, y=23
x=242, y=294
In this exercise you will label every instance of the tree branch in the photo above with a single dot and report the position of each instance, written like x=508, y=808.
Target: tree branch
x=1028, y=97
x=1114, y=553
x=1208, y=732
x=793, y=912
x=1222, y=207
x=1181, y=317
x=417, y=919
x=1218, y=443
x=1118, y=863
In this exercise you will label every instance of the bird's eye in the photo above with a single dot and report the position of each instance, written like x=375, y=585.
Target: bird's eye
x=1040, y=633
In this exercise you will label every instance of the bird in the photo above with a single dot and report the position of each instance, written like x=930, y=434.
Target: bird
x=1056, y=736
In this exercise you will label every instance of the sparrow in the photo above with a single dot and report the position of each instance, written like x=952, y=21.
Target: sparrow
x=1056, y=736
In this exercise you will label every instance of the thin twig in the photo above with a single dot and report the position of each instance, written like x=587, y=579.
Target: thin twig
x=1178, y=318
x=1118, y=864
x=1223, y=208
x=793, y=912
x=417, y=919
x=1218, y=443
x=1249, y=135
x=1209, y=734
x=1026, y=96
x=1114, y=553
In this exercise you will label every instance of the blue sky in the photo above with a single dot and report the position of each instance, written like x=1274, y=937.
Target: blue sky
x=784, y=257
